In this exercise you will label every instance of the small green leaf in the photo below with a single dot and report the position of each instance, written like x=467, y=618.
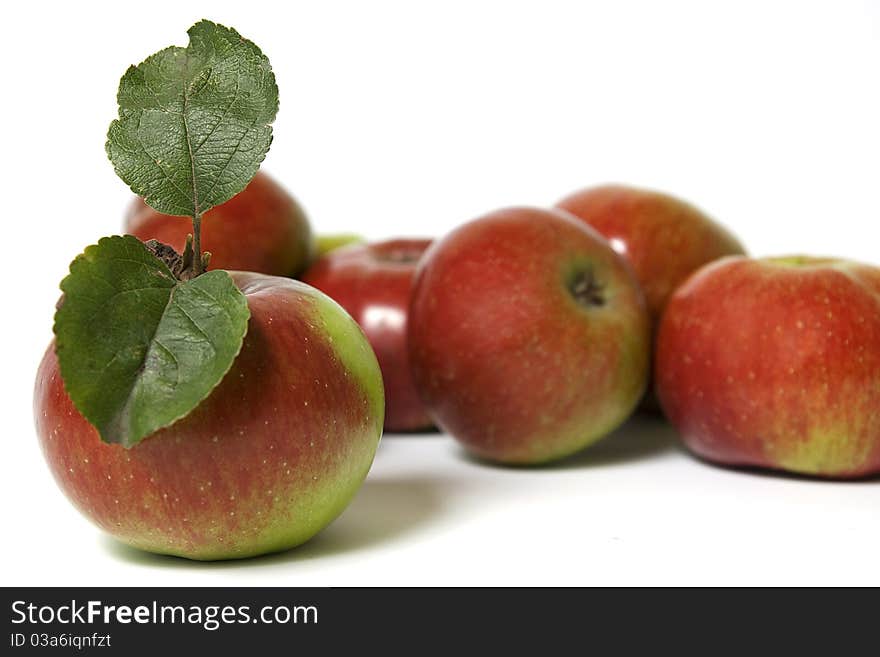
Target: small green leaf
x=137, y=348
x=194, y=122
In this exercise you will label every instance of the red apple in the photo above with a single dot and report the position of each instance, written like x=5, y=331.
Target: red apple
x=262, y=229
x=664, y=238
x=528, y=335
x=373, y=283
x=275, y=452
x=776, y=363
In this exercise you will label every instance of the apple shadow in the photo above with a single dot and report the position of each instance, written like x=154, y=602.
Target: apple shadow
x=382, y=511
x=426, y=432
x=643, y=436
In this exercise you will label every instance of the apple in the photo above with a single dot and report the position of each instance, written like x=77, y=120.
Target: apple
x=262, y=229
x=330, y=242
x=373, y=283
x=664, y=238
x=775, y=363
x=528, y=335
x=276, y=451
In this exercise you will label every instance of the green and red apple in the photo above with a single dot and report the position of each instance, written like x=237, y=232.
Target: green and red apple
x=529, y=338
x=775, y=363
x=262, y=229
x=274, y=453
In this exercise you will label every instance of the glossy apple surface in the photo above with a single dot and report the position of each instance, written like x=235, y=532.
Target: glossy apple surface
x=775, y=363
x=262, y=229
x=664, y=238
x=373, y=282
x=528, y=335
x=275, y=452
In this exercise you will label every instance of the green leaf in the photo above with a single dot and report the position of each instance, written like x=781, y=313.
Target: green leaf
x=194, y=122
x=137, y=348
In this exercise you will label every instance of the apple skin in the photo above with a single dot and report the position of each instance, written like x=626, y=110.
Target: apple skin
x=505, y=357
x=373, y=282
x=664, y=238
x=270, y=457
x=324, y=244
x=775, y=363
x=262, y=229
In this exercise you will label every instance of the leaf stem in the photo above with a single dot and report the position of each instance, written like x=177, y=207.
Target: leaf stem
x=198, y=263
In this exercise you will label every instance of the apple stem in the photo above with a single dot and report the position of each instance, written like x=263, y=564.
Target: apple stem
x=199, y=263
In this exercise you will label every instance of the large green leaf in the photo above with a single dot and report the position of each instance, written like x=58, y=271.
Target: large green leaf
x=137, y=348
x=194, y=122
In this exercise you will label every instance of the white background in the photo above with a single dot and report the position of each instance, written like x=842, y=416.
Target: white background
x=410, y=118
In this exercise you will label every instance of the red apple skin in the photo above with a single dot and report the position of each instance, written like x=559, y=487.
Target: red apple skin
x=373, y=282
x=505, y=357
x=775, y=363
x=262, y=229
x=274, y=453
x=664, y=238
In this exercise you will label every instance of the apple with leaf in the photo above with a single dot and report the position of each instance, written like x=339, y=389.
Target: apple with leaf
x=206, y=414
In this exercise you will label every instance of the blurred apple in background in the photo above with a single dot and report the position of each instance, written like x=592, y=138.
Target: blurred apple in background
x=776, y=363
x=262, y=229
x=373, y=282
x=327, y=243
x=528, y=335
